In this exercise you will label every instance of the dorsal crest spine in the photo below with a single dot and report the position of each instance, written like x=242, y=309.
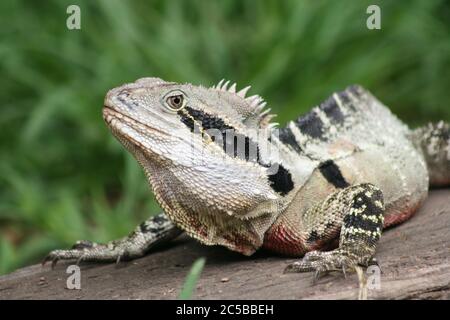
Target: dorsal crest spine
x=258, y=113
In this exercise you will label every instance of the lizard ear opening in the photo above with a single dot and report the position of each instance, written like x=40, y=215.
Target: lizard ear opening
x=255, y=112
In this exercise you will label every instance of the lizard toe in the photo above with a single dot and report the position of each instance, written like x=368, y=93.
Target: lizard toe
x=321, y=263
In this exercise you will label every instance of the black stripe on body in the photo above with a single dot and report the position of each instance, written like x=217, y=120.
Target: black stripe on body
x=281, y=182
x=345, y=99
x=206, y=121
x=311, y=125
x=287, y=137
x=333, y=174
x=332, y=110
x=230, y=139
x=187, y=120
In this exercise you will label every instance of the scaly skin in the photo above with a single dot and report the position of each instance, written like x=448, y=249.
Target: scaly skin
x=224, y=174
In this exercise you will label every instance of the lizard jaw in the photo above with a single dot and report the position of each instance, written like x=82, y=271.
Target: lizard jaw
x=116, y=120
x=135, y=136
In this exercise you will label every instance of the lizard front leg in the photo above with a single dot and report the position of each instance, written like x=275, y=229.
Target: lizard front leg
x=155, y=230
x=357, y=211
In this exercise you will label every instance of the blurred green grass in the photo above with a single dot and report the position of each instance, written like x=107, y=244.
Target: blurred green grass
x=191, y=279
x=62, y=175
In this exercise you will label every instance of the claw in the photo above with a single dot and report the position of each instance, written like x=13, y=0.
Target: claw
x=54, y=262
x=362, y=295
x=316, y=277
x=51, y=258
x=290, y=268
x=45, y=260
x=79, y=260
x=322, y=263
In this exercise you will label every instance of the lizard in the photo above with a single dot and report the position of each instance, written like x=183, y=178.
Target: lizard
x=322, y=188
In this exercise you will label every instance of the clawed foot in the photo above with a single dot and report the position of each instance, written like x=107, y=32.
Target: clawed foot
x=154, y=231
x=323, y=262
x=90, y=251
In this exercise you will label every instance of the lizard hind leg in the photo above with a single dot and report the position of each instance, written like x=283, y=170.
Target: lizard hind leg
x=154, y=231
x=434, y=142
x=358, y=210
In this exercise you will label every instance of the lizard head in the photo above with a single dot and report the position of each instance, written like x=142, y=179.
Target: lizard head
x=205, y=151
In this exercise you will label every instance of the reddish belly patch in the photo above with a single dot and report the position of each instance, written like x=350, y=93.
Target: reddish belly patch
x=282, y=240
x=397, y=216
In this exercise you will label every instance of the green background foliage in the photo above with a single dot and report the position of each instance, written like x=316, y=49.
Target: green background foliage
x=192, y=279
x=63, y=177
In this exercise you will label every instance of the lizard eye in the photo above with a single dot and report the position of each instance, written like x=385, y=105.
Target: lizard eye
x=175, y=102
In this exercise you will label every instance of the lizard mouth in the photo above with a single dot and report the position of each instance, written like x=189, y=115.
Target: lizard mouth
x=130, y=131
x=119, y=121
